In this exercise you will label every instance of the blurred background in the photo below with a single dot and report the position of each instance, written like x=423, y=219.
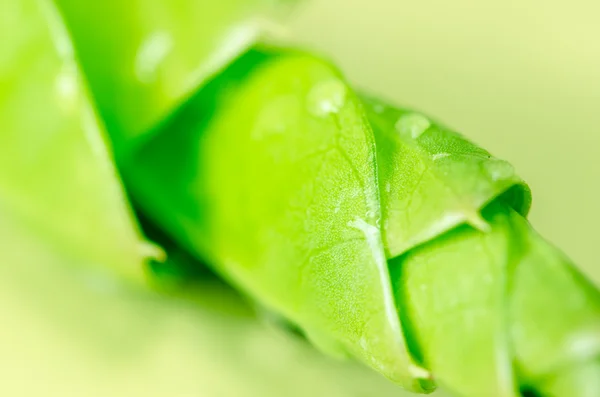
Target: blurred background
x=521, y=78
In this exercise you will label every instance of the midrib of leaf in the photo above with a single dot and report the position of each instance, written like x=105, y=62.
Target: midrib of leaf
x=457, y=208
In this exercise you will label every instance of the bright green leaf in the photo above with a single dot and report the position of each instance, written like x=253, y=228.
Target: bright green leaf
x=56, y=171
x=143, y=58
x=275, y=181
x=274, y=175
x=432, y=179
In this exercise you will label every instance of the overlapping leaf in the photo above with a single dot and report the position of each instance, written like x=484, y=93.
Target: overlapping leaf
x=56, y=169
x=300, y=192
x=143, y=58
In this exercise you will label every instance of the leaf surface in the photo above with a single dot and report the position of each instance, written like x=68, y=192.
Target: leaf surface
x=56, y=170
x=143, y=58
x=277, y=186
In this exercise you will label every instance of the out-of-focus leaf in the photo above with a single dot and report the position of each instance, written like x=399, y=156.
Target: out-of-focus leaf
x=554, y=315
x=144, y=57
x=56, y=171
x=64, y=338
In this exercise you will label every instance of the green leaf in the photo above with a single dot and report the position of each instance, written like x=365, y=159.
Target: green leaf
x=296, y=189
x=64, y=337
x=554, y=314
x=299, y=192
x=56, y=170
x=143, y=58
x=578, y=380
x=478, y=303
x=452, y=294
x=432, y=179
x=274, y=179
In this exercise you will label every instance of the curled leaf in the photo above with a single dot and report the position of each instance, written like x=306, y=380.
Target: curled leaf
x=330, y=208
x=56, y=170
x=143, y=58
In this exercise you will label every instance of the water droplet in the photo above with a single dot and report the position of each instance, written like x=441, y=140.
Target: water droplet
x=67, y=86
x=499, y=169
x=151, y=54
x=438, y=156
x=413, y=125
x=388, y=187
x=326, y=98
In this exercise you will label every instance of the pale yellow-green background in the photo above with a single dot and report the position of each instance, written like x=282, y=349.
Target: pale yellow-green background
x=520, y=77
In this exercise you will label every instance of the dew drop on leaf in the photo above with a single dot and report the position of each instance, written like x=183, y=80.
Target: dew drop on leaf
x=412, y=124
x=499, y=169
x=326, y=98
x=67, y=87
x=151, y=55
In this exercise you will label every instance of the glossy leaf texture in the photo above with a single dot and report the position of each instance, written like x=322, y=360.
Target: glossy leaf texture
x=329, y=208
x=314, y=252
x=498, y=312
x=143, y=58
x=56, y=170
x=432, y=179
